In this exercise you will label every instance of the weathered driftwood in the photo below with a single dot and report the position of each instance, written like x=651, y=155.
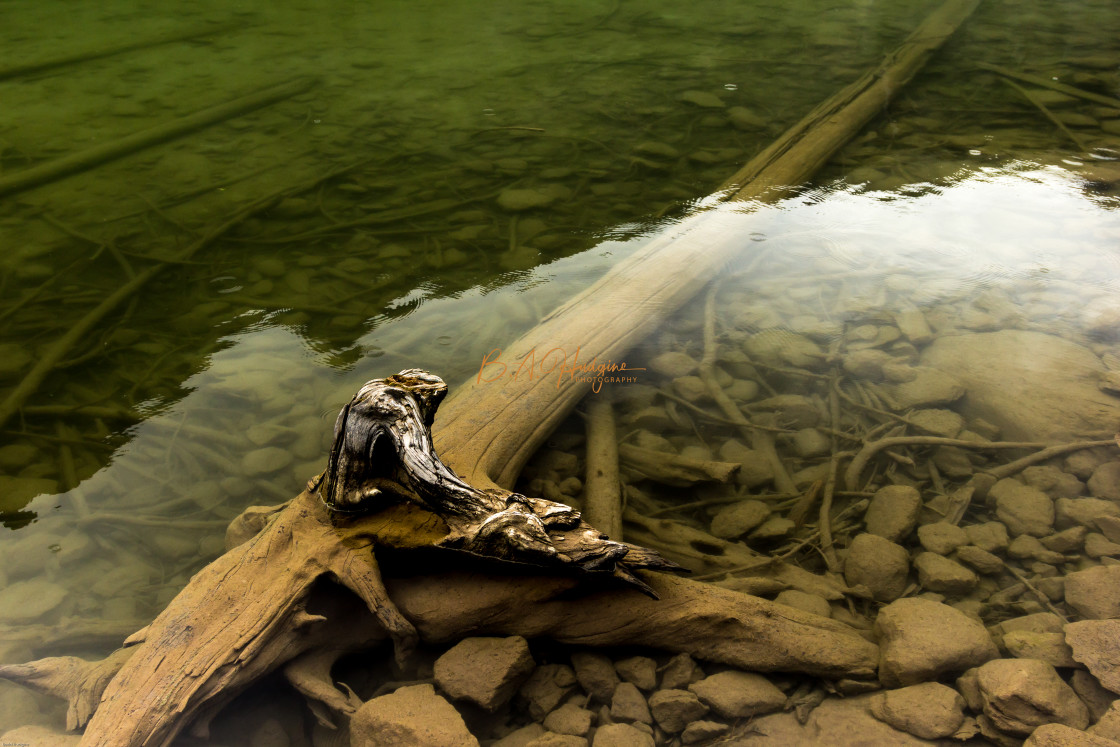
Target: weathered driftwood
x=382, y=455
x=270, y=602
x=602, y=489
x=1038, y=80
x=674, y=469
x=871, y=448
x=816, y=137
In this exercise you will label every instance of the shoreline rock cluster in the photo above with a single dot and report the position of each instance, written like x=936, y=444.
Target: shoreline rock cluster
x=987, y=576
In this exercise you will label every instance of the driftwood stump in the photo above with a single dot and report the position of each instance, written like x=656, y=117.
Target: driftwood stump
x=279, y=598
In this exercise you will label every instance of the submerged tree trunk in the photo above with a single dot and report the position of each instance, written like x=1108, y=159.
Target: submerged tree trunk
x=492, y=424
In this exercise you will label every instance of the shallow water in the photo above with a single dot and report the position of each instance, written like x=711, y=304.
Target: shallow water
x=215, y=386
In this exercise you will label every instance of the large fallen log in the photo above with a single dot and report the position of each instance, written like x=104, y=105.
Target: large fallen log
x=270, y=602
x=491, y=426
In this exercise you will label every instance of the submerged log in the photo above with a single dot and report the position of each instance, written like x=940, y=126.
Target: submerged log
x=96, y=155
x=493, y=425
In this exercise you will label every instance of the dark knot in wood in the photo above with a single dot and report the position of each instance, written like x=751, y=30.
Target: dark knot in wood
x=383, y=457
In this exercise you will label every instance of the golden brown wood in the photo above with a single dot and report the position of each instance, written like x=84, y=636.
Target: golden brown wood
x=602, y=489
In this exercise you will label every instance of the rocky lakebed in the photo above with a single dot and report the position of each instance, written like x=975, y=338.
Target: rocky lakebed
x=964, y=444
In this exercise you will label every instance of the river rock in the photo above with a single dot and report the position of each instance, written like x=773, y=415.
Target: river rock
x=1019, y=695
x=913, y=326
x=14, y=457
x=893, y=512
x=837, y=722
x=411, y=716
x=1096, y=644
x=1054, y=482
x=1049, y=647
x=879, y=564
x=628, y=704
x=929, y=710
x=1109, y=526
x=1093, y=694
x=780, y=347
x=1084, y=511
x=680, y=672
x=1105, y=482
x=941, y=574
x=866, y=363
x=1024, y=510
x=1099, y=546
x=703, y=732
x=596, y=675
x=265, y=461
x=944, y=423
x=690, y=388
x=546, y=687
x=929, y=388
x=1109, y=724
x=774, y=528
x=569, y=719
x=27, y=601
x=734, y=694
x=673, y=365
x=519, y=737
x=621, y=735
x=1095, y=592
x=675, y=709
x=1060, y=735
x=1082, y=463
x=754, y=468
x=744, y=119
x=811, y=603
x=990, y=536
x=484, y=671
x=517, y=200
x=641, y=670
x=737, y=519
x=921, y=640
x=981, y=561
x=1026, y=547
x=811, y=442
x=1034, y=386
x=942, y=537
x=1066, y=541
x=1038, y=622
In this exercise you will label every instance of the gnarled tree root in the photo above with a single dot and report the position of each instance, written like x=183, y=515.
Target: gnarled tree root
x=269, y=602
